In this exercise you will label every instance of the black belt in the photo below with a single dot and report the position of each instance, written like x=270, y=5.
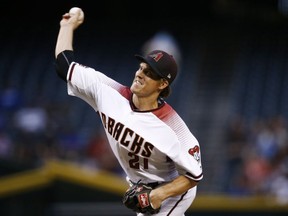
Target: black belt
x=153, y=184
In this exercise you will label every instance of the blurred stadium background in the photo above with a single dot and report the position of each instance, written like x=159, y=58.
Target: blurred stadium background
x=232, y=92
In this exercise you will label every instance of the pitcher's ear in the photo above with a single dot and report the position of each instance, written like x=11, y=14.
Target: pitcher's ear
x=164, y=83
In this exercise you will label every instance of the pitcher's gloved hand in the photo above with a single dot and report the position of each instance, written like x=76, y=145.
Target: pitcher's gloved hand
x=137, y=198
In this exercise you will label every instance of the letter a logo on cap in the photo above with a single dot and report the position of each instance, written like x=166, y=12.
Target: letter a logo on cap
x=157, y=56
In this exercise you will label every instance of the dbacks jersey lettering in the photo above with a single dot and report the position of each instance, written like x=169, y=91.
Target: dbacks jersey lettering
x=151, y=146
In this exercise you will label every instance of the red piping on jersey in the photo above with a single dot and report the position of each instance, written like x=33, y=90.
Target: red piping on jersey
x=163, y=113
x=128, y=95
x=71, y=71
x=177, y=203
x=125, y=92
x=159, y=111
x=194, y=177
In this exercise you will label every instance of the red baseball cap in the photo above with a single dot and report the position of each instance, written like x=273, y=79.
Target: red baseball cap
x=161, y=63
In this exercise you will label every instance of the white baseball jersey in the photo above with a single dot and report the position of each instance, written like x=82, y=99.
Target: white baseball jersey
x=151, y=146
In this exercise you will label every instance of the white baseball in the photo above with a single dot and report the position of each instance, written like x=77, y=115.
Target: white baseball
x=77, y=10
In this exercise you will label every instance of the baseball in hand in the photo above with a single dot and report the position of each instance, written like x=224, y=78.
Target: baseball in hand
x=77, y=10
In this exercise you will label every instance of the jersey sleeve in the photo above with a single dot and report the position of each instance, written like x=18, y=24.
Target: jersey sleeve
x=88, y=84
x=185, y=152
x=188, y=160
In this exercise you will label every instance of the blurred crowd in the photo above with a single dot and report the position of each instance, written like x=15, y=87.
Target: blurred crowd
x=30, y=134
x=257, y=157
x=36, y=131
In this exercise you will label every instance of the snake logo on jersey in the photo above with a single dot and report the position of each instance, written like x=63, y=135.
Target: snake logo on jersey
x=195, y=152
x=127, y=137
